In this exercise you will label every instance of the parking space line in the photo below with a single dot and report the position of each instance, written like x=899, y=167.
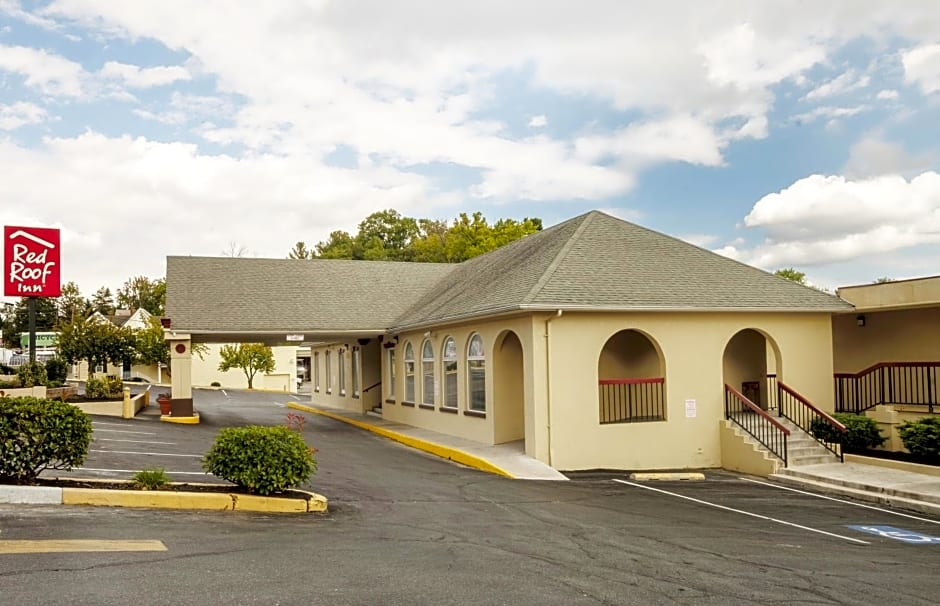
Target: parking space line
x=828, y=498
x=77, y=545
x=133, y=441
x=188, y=473
x=143, y=433
x=134, y=452
x=741, y=511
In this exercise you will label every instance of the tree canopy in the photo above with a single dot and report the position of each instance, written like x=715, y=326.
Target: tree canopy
x=789, y=273
x=388, y=236
x=251, y=358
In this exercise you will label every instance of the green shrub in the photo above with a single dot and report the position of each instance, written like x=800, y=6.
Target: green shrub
x=38, y=434
x=57, y=370
x=152, y=478
x=260, y=459
x=10, y=384
x=861, y=432
x=32, y=374
x=215, y=384
x=922, y=438
x=7, y=370
x=104, y=388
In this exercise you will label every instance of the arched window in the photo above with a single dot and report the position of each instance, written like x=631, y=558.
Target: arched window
x=316, y=371
x=341, y=364
x=329, y=373
x=476, y=374
x=356, y=356
x=409, y=373
x=449, y=370
x=391, y=373
x=427, y=374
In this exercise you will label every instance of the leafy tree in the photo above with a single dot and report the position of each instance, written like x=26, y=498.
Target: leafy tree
x=339, y=246
x=151, y=345
x=235, y=249
x=96, y=342
x=103, y=301
x=789, y=273
x=71, y=305
x=300, y=251
x=46, y=315
x=386, y=236
x=431, y=244
x=251, y=358
x=141, y=292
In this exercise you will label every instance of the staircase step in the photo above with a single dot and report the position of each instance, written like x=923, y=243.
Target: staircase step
x=811, y=460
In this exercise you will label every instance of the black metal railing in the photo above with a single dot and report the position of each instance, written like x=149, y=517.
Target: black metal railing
x=371, y=387
x=816, y=423
x=757, y=422
x=632, y=400
x=907, y=383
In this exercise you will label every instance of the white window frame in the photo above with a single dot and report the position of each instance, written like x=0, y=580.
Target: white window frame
x=409, y=361
x=427, y=372
x=475, y=361
x=316, y=371
x=390, y=358
x=341, y=370
x=356, y=356
x=329, y=373
x=449, y=372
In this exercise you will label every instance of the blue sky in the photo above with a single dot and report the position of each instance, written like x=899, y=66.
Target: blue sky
x=778, y=133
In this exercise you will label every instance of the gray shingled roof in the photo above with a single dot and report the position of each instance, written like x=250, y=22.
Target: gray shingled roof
x=596, y=261
x=222, y=294
x=593, y=261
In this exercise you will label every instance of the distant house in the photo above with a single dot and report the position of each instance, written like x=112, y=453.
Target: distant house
x=595, y=343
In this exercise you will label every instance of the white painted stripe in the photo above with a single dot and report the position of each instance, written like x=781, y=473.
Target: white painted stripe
x=143, y=433
x=741, y=511
x=828, y=498
x=188, y=473
x=133, y=441
x=159, y=454
x=224, y=393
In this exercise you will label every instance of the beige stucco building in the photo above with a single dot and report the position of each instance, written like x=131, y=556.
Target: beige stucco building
x=592, y=344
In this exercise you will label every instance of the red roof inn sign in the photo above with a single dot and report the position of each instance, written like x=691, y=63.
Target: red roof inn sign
x=31, y=262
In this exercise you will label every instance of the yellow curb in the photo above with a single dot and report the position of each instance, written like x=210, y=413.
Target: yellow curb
x=248, y=502
x=193, y=420
x=78, y=546
x=668, y=476
x=315, y=502
x=445, y=452
x=147, y=498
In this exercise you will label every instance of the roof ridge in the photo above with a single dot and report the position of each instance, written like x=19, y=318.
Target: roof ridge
x=553, y=266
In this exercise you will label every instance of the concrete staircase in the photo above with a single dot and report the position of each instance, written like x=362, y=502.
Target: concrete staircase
x=802, y=449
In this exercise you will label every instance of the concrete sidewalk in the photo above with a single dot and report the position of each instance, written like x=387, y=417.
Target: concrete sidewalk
x=507, y=460
x=869, y=482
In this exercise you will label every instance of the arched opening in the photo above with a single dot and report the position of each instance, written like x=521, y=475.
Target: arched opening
x=508, y=373
x=750, y=365
x=631, y=379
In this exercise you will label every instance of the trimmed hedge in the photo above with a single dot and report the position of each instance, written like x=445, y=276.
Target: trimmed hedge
x=862, y=432
x=104, y=388
x=261, y=460
x=57, y=370
x=922, y=439
x=38, y=434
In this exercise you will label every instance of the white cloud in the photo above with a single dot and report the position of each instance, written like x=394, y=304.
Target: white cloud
x=844, y=83
x=144, y=77
x=922, y=67
x=19, y=114
x=48, y=73
x=887, y=95
x=702, y=240
x=829, y=112
x=538, y=121
x=820, y=220
x=872, y=156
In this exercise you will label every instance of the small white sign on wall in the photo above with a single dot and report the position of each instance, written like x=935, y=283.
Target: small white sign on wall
x=690, y=409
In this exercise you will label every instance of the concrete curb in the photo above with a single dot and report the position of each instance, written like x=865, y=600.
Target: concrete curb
x=193, y=420
x=683, y=475
x=872, y=495
x=445, y=452
x=307, y=502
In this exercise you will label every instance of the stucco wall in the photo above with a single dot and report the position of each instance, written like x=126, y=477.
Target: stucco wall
x=888, y=336
x=629, y=355
x=505, y=415
x=205, y=370
x=693, y=346
x=336, y=396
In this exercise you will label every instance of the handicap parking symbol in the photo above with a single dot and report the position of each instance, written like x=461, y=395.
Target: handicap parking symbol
x=899, y=534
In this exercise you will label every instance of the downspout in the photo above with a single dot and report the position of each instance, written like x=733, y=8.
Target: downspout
x=548, y=380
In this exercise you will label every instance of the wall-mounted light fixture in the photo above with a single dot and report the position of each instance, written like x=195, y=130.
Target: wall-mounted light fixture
x=860, y=320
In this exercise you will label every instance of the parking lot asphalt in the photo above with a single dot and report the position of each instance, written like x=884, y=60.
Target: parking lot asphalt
x=408, y=528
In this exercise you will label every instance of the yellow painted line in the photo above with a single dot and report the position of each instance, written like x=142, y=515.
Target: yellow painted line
x=217, y=501
x=193, y=420
x=77, y=545
x=445, y=452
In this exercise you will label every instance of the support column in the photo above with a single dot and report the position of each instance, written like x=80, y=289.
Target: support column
x=181, y=365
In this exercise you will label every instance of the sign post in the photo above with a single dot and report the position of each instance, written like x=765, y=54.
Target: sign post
x=31, y=268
